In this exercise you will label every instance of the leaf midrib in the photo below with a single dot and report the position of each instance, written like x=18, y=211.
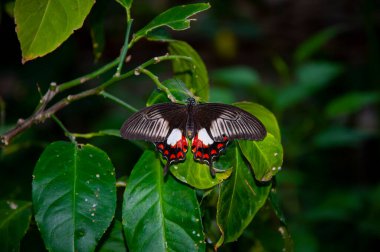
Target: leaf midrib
x=40, y=24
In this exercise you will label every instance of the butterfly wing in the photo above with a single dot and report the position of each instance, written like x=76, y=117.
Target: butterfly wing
x=163, y=124
x=216, y=124
x=154, y=123
x=222, y=120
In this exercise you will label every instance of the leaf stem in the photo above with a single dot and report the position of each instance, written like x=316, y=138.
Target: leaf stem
x=125, y=47
x=158, y=83
x=67, y=133
x=118, y=101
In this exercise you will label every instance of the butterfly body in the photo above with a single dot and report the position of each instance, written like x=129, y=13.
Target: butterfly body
x=208, y=127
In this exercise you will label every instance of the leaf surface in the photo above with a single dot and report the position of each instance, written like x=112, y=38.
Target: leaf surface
x=192, y=73
x=74, y=196
x=177, y=18
x=160, y=215
x=240, y=198
x=43, y=25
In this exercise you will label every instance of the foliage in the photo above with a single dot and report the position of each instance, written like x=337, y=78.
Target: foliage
x=74, y=189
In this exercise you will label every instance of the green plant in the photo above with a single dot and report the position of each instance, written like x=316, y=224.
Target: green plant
x=74, y=187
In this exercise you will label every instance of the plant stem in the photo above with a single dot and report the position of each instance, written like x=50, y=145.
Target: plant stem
x=88, y=77
x=67, y=133
x=158, y=83
x=125, y=47
x=118, y=101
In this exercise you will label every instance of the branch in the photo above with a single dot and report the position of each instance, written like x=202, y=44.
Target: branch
x=41, y=113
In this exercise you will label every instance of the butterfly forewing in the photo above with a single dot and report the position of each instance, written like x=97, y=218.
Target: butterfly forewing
x=222, y=120
x=154, y=123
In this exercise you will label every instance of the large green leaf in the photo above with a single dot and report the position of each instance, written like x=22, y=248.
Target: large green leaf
x=43, y=25
x=193, y=73
x=240, y=198
x=160, y=214
x=14, y=222
x=264, y=156
x=74, y=196
x=198, y=175
x=177, y=18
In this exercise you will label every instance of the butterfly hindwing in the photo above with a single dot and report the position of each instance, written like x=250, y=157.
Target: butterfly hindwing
x=174, y=148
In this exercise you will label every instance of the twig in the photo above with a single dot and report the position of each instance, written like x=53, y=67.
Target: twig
x=124, y=49
x=67, y=133
x=157, y=82
x=118, y=101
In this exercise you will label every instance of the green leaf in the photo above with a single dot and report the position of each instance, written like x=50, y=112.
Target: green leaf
x=43, y=25
x=264, y=156
x=74, y=196
x=177, y=18
x=198, y=175
x=115, y=240
x=351, y=103
x=125, y=3
x=14, y=222
x=160, y=215
x=193, y=73
x=176, y=87
x=237, y=76
x=240, y=198
x=313, y=44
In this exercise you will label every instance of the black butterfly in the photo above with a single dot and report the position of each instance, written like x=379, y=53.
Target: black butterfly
x=209, y=126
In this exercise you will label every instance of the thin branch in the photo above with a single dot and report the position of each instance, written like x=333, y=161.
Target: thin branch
x=67, y=133
x=118, y=101
x=125, y=48
x=157, y=82
x=88, y=77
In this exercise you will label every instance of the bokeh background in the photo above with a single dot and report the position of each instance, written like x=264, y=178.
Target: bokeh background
x=315, y=64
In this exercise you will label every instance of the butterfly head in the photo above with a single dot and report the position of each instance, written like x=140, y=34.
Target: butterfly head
x=191, y=101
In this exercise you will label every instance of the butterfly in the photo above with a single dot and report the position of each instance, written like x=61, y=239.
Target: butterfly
x=208, y=126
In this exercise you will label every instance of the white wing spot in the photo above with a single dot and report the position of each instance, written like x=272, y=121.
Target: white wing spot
x=174, y=137
x=204, y=137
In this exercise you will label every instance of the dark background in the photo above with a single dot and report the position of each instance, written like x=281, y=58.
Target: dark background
x=329, y=188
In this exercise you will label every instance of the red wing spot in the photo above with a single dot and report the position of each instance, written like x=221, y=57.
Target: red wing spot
x=213, y=152
x=179, y=155
x=172, y=156
x=166, y=152
x=219, y=146
x=184, y=149
x=205, y=146
x=225, y=138
x=194, y=149
x=199, y=154
x=160, y=146
x=206, y=156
